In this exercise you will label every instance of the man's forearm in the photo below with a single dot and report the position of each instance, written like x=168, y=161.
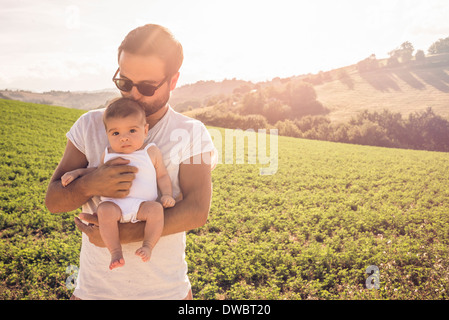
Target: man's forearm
x=184, y=216
x=64, y=199
x=58, y=198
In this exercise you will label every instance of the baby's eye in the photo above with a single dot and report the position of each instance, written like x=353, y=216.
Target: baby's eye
x=133, y=130
x=115, y=133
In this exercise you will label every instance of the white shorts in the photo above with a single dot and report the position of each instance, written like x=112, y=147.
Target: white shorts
x=129, y=207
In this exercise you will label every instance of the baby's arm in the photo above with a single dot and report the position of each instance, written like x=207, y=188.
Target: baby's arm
x=163, y=179
x=68, y=177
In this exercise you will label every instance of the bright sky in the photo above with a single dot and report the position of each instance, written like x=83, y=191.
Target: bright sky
x=72, y=44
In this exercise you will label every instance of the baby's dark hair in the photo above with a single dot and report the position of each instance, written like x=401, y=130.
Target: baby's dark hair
x=122, y=108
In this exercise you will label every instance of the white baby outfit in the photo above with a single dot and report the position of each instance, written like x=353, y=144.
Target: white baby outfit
x=144, y=186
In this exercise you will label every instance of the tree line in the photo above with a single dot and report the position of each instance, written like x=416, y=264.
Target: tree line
x=294, y=110
x=404, y=54
x=423, y=130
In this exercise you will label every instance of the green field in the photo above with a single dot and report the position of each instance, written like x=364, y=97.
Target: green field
x=308, y=232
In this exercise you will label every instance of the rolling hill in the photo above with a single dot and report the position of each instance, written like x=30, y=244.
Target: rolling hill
x=346, y=92
x=403, y=89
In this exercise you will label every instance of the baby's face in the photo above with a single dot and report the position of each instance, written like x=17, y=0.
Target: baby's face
x=126, y=135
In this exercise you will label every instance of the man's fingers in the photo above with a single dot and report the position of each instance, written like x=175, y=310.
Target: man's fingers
x=120, y=164
x=126, y=176
x=91, y=229
x=117, y=162
x=81, y=226
x=89, y=218
x=121, y=193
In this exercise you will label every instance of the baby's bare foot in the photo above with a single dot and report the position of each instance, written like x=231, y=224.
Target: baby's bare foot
x=144, y=252
x=117, y=261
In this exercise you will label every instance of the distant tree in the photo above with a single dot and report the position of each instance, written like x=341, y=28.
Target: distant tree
x=307, y=123
x=288, y=128
x=428, y=131
x=275, y=111
x=341, y=132
x=403, y=54
x=393, y=61
x=232, y=120
x=303, y=100
x=420, y=56
x=440, y=46
x=407, y=50
x=301, y=93
x=243, y=89
x=392, y=123
x=253, y=103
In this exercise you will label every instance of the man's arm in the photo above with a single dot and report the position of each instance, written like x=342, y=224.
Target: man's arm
x=189, y=213
x=163, y=179
x=70, y=176
x=193, y=210
x=113, y=179
x=58, y=198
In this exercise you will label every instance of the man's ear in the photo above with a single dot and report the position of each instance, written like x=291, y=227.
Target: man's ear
x=174, y=81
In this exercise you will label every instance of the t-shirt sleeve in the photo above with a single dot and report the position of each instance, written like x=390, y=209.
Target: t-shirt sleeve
x=76, y=133
x=200, y=144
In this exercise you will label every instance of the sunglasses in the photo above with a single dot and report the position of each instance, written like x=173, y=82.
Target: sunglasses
x=144, y=88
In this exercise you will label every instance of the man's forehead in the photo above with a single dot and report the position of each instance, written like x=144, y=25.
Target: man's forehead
x=141, y=67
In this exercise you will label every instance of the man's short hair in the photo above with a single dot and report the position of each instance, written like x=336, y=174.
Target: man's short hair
x=122, y=108
x=153, y=39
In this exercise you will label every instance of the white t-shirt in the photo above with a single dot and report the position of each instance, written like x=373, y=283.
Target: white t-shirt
x=165, y=275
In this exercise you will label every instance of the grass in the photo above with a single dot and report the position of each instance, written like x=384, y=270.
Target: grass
x=308, y=232
x=311, y=230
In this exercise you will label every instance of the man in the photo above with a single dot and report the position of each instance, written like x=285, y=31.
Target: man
x=149, y=59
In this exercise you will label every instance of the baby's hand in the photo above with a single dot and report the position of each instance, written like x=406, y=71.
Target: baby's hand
x=67, y=178
x=167, y=201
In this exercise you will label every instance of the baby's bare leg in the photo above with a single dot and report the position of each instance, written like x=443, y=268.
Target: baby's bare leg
x=109, y=215
x=153, y=214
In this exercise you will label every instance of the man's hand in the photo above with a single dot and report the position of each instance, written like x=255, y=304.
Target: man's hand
x=129, y=232
x=91, y=229
x=112, y=179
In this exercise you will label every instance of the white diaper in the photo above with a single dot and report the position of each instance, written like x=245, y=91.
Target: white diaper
x=129, y=207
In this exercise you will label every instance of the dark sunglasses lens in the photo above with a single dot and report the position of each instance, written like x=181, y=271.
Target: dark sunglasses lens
x=124, y=85
x=146, y=89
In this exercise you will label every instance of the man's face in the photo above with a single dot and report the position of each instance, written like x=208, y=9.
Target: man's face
x=151, y=69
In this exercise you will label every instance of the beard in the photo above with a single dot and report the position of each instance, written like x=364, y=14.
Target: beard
x=156, y=105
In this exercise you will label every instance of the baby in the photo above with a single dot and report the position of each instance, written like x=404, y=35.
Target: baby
x=126, y=128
